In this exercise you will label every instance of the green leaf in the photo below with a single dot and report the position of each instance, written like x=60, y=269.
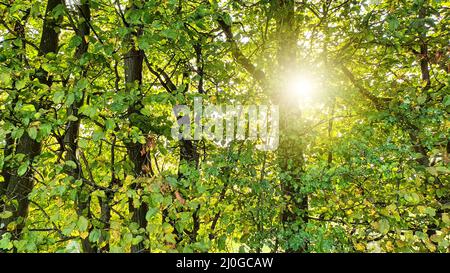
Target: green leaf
x=169, y=33
x=20, y=84
x=422, y=98
x=81, y=84
x=136, y=240
x=393, y=23
x=72, y=118
x=5, y=214
x=70, y=164
x=227, y=19
x=383, y=226
x=67, y=230
x=58, y=11
x=432, y=171
x=17, y=133
x=127, y=238
x=48, y=67
x=242, y=249
x=430, y=211
x=23, y=168
x=5, y=242
x=172, y=181
x=98, y=135
x=447, y=100
x=150, y=213
x=75, y=41
x=446, y=218
x=442, y=169
x=167, y=228
x=32, y=132
x=70, y=98
x=5, y=78
x=83, y=143
x=45, y=129
x=82, y=223
x=94, y=235
x=28, y=108
x=110, y=124
x=58, y=96
x=88, y=110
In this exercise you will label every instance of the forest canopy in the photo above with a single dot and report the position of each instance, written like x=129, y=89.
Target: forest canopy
x=358, y=94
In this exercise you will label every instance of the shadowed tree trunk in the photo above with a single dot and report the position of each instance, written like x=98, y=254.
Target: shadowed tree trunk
x=72, y=129
x=19, y=187
x=7, y=170
x=290, y=153
x=133, y=61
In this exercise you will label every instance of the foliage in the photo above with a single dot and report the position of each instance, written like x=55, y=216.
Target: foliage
x=89, y=165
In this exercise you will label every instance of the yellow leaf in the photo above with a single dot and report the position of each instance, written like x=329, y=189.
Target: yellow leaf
x=435, y=238
x=360, y=247
x=11, y=226
x=84, y=234
x=445, y=218
x=389, y=246
x=430, y=245
x=5, y=214
x=167, y=228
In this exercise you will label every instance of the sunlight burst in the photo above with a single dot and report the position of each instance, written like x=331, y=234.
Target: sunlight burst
x=302, y=87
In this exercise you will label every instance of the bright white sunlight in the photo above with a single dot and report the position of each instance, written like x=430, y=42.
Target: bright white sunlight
x=303, y=87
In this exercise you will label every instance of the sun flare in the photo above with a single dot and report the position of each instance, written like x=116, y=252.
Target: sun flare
x=302, y=87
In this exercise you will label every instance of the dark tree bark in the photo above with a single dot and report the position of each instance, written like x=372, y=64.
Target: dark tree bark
x=19, y=29
x=19, y=187
x=133, y=61
x=295, y=211
x=72, y=129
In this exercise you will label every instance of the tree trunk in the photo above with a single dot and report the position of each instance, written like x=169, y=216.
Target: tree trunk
x=290, y=154
x=73, y=127
x=133, y=76
x=19, y=187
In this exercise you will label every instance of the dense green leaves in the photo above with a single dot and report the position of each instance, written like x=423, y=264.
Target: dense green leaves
x=362, y=165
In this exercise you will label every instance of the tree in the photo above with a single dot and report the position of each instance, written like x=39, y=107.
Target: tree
x=89, y=164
